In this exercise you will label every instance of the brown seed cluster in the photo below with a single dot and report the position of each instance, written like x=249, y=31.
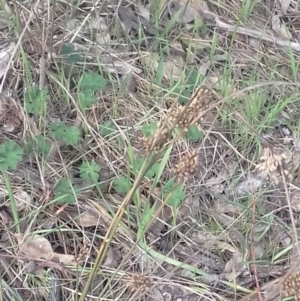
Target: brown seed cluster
x=273, y=165
x=184, y=116
x=159, y=138
x=140, y=282
x=291, y=286
x=83, y=253
x=186, y=167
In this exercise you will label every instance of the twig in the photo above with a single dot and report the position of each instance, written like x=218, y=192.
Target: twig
x=255, y=34
x=252, y=254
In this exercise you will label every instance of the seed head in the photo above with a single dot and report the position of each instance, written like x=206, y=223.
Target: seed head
x=83, y=253
x=274, y=164
x=183, y=117
x=291, y=286
x=159, y=138
x=186, y=167
x=139, y=282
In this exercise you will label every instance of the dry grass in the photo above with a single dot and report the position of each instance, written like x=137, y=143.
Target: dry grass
x=160, y=156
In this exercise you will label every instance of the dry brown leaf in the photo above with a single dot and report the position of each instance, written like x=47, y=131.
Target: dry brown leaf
x=285, y=4
x=111, y=260
x=172, y=69
x=234, y=267
x=224, y=207
x=295, y=200
x=150, y=61
x=280, y=28
x=22, y=199
x=36, y=247
x=244, y=56
x=6, y=50
x=65, y=258
x=190, y=10
x=143, y=11
x=87, y=218
x=249, y=185
x=127, y=18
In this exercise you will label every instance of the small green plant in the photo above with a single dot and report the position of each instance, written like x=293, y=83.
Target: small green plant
x=91, y=81
x=89, y=171
x=86, y=99
x=64, y=193
x=35, y=100
x=194, y=134
x=68, y=50
x=174, y=192
x=64, y=133
x=122, y=184
x=10, y=155
x=151, y=173
x=148, y=129
x=88, y=84
x=39, y=145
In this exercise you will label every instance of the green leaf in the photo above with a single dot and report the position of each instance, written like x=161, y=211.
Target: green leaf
x=151, y=173
x=86, y=99
x=63, y=192
x=122, y=184
x=42, y=146
x=35, y=100
x=67, y=134
x=89, y=170
x=148, y=129
x=92, y=81
x=107, y=128
x=10, y=155
x=72, y=56
x=194, y=134
x=177, y=193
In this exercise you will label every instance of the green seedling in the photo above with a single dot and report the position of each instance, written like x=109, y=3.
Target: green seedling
x=66, y=134
x=64, y=192
x=35, y=100
x=10, y=155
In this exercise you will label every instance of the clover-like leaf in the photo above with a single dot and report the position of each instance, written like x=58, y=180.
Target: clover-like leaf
x=10, y=155
x=89, y=170
x=67, y=134
x=63, y=192
x=92, y=81
x=174, y=192
x=122, y=184
x=35, y=100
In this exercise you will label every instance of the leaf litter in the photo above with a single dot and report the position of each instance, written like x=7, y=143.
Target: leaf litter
x=203, y=229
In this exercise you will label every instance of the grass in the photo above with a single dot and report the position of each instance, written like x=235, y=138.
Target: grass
x=122, y=221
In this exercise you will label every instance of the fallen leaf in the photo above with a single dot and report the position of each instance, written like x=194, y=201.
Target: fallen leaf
x=111, y=260
x=127, y=18
x=244, y=56
x=35, y=246
x=249, y=185
x=295, y=200
x=87, y=218
x=234, y=266
x=224, y=207
x=5, y=53
x=285, y=4
x=190, y=10
x=65, y=258
x=22, y=199
x=280, y=28
x=143, y=11
x=172, y=68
